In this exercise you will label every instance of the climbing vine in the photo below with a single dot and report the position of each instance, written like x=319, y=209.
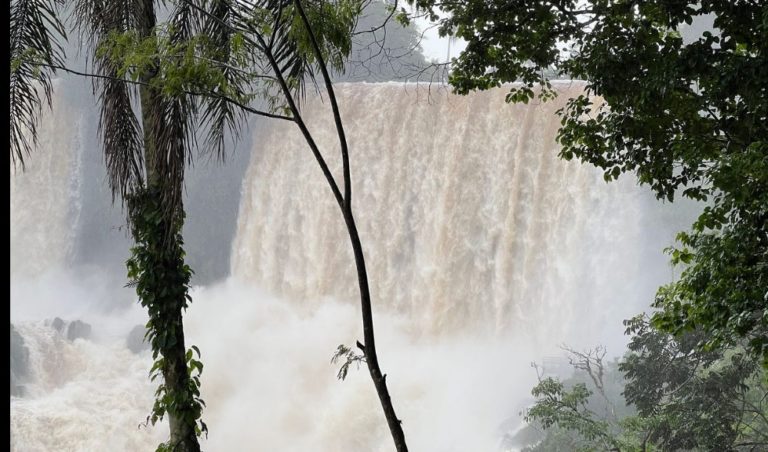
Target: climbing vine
x=161, y=278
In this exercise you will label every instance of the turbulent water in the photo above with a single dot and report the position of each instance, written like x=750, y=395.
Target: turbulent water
x=485, y=251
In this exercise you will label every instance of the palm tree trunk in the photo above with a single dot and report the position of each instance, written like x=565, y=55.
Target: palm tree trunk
x=183, y=437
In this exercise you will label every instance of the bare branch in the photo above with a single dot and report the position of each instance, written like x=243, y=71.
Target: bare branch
x=192, y=93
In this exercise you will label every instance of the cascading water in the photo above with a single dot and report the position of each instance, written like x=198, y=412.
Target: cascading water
x=484, y=251
x=468, y=218
x=44, y=202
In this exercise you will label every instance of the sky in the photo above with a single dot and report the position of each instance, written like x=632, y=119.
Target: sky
x=435, y=47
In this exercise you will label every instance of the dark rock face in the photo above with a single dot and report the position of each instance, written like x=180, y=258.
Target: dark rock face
x=19, y=363
x=58, y=324
x=78, y=330
x=135, y=341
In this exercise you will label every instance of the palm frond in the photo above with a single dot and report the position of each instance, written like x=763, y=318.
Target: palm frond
x=121, y=138
x=269, y=27
x=35, y=28
x=264, y=30
x=275, y=28
x=96, y=19
x=173, y=130
x=174, y=137
x=218, y=115
x=174, y=125
x=119, y=127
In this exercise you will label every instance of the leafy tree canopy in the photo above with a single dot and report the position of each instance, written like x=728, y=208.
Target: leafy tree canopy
x=664, y=394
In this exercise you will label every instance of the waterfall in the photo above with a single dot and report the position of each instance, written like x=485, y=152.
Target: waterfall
x=44, y=195
x=484, y=250
x=467, y=216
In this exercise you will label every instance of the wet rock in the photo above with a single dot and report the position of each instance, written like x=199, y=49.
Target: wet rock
x=78, y=330
x=58, y=324
x=19, y=363
x=135, y=341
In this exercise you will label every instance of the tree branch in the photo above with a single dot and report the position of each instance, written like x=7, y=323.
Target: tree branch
x=334, y=107
x=192, y=93
x=300, y=122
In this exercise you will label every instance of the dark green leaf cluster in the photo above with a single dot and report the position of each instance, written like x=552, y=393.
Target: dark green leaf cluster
x=665, y=394
x=582, y=413
x=723, y=288
x=567, y=409
x=699, y=400
x=161, y=279
x=348, y=356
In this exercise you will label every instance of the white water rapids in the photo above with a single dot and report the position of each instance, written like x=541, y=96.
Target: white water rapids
x=484, y=251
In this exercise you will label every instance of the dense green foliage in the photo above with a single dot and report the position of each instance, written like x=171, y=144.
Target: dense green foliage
x=665, y=394
x=688, y=115
x=694, y=399
x=162, y=279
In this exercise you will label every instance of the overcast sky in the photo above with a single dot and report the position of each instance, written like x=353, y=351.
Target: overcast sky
x=435, y=47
